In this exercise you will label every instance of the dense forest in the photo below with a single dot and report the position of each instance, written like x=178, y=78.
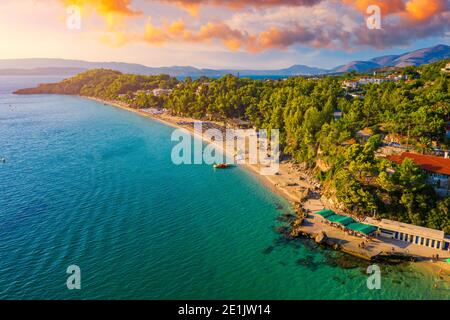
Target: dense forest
x=414, y=111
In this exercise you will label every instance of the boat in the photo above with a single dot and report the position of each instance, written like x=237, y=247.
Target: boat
x=221, y=166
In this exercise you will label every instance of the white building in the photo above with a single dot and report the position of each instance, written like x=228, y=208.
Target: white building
x=350, y=84
x=159, y=92
x=410, y=233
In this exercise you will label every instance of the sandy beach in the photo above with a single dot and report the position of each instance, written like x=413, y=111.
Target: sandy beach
x=296, y=186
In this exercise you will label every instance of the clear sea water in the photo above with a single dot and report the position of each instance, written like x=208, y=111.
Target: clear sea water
x=92, y=185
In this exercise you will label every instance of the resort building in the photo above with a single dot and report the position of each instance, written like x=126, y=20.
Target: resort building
x=160, y=92
x=437, y=169
x=410, y=233
x=364, y=81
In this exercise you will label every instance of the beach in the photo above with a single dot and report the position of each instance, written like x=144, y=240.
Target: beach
x=296, y=186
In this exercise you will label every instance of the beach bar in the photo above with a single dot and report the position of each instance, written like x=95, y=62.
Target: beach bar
x=325, y=213
x=364, y=229
x=347, y=223
x=342, y=220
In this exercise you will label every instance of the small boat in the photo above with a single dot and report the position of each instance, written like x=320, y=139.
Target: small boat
x=221, y=166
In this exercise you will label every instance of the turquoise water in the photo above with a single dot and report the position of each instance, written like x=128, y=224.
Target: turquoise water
x=92, y=185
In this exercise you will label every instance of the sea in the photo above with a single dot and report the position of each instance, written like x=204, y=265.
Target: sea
x=88, y=186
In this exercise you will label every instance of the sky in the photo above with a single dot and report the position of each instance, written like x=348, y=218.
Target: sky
x=250, y=34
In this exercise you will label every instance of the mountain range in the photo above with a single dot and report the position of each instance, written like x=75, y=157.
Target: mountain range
x=71, y=67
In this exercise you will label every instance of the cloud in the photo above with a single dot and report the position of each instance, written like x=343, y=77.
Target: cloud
x=113, y=11
x=416, y=19
x=425, y=9
x=104, y=7
x=387, y=7
x=194, y=5
x=258, y=25
x=406, y=9
x=235, y=39
x=403, y=33
x=177, y=31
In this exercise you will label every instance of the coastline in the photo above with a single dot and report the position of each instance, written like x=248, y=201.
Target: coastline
x=276, y=183
x=288, y=185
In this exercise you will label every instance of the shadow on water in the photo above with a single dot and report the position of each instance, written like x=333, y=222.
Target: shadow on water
x=279, y=206
x=268, y=250
x=309, y=262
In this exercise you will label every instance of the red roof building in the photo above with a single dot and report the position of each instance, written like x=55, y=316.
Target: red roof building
x=428, y=163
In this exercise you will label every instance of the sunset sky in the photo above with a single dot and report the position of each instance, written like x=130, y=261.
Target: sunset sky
x=220, y=33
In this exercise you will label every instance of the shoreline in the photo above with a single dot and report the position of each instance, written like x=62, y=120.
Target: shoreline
x=292, y=188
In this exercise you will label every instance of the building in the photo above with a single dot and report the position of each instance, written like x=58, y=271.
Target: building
x=446, y=69
x=410, y=233
x=364, y=134
x=201, y=86
x=396, y=77
x=239, y=124
x=350, y=84
x=337, y=114
x=364, y=81
x=159, y=92
x=437, y=169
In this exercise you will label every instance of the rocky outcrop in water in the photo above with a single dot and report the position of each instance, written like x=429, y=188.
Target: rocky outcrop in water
x=321, y=238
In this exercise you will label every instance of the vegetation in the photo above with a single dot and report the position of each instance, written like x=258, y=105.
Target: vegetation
x=414, y=112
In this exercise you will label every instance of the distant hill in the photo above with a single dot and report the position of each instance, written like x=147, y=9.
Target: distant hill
x=414, y=58
x=358, y=66
x=41, y=71
x=72, y=67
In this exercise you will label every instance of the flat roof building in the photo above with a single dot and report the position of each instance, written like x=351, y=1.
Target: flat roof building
x=410, y=233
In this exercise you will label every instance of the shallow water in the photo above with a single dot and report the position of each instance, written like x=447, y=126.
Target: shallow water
x=92, y=185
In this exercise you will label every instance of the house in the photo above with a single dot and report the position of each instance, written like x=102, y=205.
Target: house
x=350, y=84
x=364, y=134
x=437, y=169
x=446, y=69
x=337, y=114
